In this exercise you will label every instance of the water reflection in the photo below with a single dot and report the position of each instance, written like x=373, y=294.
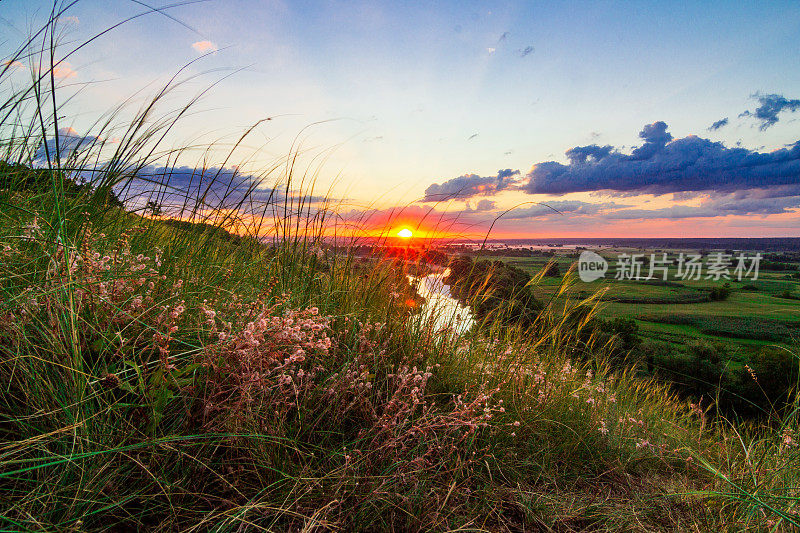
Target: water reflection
x=445, y=310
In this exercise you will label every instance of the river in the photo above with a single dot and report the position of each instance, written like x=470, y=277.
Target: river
x=445, y=310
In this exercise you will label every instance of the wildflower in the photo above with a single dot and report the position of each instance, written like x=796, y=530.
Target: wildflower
x=32, y=230
x=751, y=372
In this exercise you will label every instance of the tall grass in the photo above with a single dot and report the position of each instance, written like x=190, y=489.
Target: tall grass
x=195, y=375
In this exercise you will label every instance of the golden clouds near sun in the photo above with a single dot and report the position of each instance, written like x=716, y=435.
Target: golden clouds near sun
x=405, y=233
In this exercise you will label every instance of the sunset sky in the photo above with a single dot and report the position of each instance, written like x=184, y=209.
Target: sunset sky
x=617, y=119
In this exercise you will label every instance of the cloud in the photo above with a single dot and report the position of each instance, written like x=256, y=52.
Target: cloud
x=682, y=196
x=754, y=206
x=69, y=20
x=214, y=183
x=64, y=70
x=560, y=208
x=12, y=64
x=580, y=154
x=524, y=52
x=218, y=193
x=491, y=50
x=485, y=205
x=771, y=106
x=472, y=136
x=470, y=185
x=663, y=165
x=69, y=141
x=656, y=133
x=718, y=124
x=204, y=47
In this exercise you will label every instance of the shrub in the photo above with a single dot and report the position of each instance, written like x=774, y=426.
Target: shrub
x=718, y=294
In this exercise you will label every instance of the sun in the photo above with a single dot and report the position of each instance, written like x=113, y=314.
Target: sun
x=405, y=233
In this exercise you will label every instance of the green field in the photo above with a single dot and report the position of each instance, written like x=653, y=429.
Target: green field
x=754, y=313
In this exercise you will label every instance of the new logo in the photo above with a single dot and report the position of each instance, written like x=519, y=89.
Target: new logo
x=591, y=266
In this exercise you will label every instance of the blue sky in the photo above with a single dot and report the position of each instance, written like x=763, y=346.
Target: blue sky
x=423, y=93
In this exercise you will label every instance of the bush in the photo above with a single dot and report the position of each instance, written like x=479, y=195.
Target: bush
x=622, y=337
x=552, y=270
x=718, y=294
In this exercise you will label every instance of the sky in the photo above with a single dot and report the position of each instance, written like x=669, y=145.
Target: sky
x=563, y=119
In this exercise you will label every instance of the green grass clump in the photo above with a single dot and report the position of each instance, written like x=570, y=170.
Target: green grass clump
x=193, y=375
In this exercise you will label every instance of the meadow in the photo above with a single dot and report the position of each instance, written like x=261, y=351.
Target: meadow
x=756, y=323
x=206, y=375
x=656, y=305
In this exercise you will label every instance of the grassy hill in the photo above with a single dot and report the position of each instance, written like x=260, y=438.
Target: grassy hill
x=170, y=376
x=166, y=377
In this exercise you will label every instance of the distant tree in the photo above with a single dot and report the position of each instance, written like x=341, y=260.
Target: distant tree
x=153, y=208
x=626, y=328
x=720, y=293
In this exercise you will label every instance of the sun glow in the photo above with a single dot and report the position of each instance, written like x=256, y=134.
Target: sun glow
x=405, y=233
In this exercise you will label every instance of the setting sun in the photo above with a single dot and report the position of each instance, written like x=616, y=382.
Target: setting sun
x=405, y=233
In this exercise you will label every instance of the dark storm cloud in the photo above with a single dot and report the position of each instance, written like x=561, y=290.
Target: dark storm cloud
x=663, y=165
x=718, y=124
x=770, y=106
x=470, y=185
